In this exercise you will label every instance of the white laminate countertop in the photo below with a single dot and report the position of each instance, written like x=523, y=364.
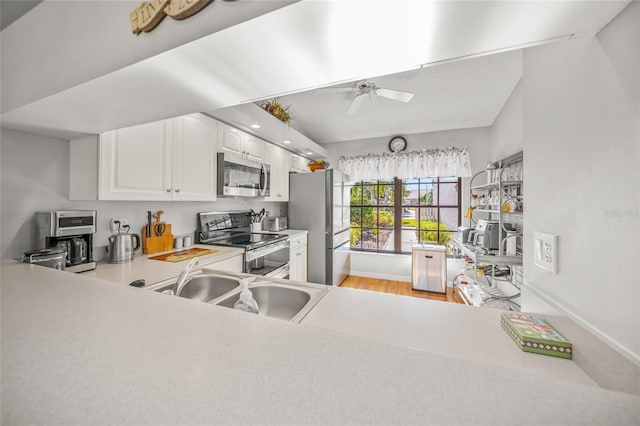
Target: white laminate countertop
x=464, y=332
x=81, y=351
x=153, y=271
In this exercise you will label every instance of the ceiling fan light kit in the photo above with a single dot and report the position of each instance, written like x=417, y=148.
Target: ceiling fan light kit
x=364, y=88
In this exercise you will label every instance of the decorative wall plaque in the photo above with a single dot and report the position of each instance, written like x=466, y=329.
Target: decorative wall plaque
x=147, y=15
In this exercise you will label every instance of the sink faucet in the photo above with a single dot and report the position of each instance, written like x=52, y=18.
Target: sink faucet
x=184, y=275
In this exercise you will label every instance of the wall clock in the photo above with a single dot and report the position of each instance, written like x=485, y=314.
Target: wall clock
x=397, y=144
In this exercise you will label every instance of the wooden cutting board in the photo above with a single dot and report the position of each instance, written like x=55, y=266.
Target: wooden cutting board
x=179, y=256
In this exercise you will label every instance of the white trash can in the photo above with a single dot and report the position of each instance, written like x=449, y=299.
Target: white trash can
x=429, y=268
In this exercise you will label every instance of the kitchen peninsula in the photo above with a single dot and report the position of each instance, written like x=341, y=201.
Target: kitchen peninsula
x=140, y=357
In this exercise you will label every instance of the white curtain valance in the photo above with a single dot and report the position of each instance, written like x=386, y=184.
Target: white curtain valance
x=439, y=162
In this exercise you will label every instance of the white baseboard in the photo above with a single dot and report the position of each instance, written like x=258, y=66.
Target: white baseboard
x=585, y=324
x=368, y=274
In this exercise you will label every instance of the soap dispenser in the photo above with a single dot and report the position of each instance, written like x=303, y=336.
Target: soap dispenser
x=246, y=302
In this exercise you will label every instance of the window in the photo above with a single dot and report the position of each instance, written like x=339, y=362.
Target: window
x=393, y=215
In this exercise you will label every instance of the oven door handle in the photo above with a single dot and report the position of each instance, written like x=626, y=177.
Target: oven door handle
x=263, y=251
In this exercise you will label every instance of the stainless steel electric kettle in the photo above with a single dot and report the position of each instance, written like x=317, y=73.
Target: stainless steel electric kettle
x=121, y=247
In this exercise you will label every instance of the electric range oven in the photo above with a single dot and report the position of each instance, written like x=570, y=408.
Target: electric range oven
x=265, y=254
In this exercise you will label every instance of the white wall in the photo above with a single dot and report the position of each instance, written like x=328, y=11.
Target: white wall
x=71, y=42
x=35, y=177
x=582, y=173
x=507, y=130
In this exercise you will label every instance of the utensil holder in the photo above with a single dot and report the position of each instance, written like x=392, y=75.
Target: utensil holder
x=256, y=227
x=157, y=244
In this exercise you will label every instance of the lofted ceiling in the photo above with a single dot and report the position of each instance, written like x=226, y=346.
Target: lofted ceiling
x=454, y=95
x=291, y=50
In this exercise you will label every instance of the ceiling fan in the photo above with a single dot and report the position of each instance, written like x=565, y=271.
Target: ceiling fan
x=366, y=88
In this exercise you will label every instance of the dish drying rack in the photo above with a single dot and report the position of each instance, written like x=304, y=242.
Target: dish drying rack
x=481, y=289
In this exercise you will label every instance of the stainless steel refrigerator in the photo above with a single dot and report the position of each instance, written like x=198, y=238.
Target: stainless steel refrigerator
x=319, y=202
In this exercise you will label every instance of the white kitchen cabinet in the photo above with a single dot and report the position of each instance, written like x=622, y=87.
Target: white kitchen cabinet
x=194, y=158
x=298, y=164
x=169, y=160
x=135, y=163
x=298, y=257
x=240, y=143
x=278, y=159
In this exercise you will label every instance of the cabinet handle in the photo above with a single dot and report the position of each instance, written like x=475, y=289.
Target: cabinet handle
x=168, y=189
x=177, y=190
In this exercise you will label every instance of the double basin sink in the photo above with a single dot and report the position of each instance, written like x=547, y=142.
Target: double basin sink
x=276, y=299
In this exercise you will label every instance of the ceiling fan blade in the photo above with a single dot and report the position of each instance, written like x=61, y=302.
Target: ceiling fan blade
x=396, y=95
x=334, y=90
x=355, y=104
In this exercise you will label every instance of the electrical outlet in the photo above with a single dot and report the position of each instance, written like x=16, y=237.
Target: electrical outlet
x=114, y=224
x=545, y=251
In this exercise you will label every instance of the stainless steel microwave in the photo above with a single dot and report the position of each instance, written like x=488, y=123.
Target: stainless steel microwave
x=239, y=177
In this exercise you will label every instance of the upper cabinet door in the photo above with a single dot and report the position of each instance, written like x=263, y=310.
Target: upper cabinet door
x=298, y=164
x=278, y=159
x=230, y=139
x=254, y=148
x=135, y=163
x=194, y=158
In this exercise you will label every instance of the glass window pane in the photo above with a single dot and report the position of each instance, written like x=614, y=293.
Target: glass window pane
x=368, y=217
x=427, y=197
x=356, y=216
x=385, y=239
x=428, y=231
x=410, y=193
x=356, y=238
x=448, y=193
x=369, y=239
x=386, y=195
x=409, y=236
x=356, y=195
x=409, y=217
x=449, y=218
x=429, y=213
x=385, y=218
x=369, y=195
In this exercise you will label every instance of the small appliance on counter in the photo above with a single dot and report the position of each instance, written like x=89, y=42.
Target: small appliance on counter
x=487, y=234
x=71, y=231
x=50, y=257
x=274, y=224
x=463, y=233
x=121, y=246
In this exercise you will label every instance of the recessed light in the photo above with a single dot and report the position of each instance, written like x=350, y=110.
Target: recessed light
x=287, y=142
x=255, y=126
x=308, y=152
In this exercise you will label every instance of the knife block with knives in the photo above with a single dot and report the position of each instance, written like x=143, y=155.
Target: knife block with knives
x=156, y=236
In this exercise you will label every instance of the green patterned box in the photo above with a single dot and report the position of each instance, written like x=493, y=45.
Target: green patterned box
x=533, y=334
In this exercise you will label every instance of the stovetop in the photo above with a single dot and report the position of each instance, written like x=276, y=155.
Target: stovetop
x=232, y=229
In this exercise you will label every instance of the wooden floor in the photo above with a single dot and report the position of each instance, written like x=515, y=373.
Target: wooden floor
x=397, y=287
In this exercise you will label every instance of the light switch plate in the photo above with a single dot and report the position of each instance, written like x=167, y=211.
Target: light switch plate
x=545, y=251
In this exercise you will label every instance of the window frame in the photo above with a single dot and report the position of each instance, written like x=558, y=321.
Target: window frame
x=398, y=206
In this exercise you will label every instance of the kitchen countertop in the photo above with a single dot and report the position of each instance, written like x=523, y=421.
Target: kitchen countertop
x=169, y=360
x=464, y=332
x=153, y=271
